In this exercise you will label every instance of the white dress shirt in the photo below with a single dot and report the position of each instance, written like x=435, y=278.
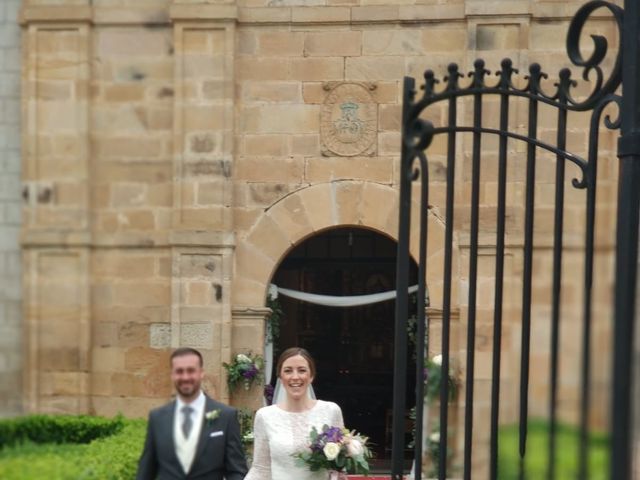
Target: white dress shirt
x=186, y=447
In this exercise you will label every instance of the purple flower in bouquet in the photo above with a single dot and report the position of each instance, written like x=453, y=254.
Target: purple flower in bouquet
x=268, y=393
x=316, y=446
x=328, y=435
x=334, y=434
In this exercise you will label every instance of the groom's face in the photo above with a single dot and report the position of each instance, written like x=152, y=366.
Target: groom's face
x=187, y=374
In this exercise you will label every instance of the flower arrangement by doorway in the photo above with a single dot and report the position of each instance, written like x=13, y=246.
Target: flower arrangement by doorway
x=245, y=369
x=245, y=419
x=434, y=376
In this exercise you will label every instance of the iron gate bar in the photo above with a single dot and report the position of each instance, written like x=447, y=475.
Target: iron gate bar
x=421, y=324
x=505, y=83
x=561, y=141
x=590, y=178
x=452, y=84
x=533, y=86
x=576, y=159
x=402, y=310
x=416, y=137
x=626, y=243
x=478, y=82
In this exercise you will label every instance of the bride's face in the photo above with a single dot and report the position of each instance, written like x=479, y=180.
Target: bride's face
x=296, y=376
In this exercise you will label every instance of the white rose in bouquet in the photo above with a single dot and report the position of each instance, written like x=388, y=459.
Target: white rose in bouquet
x=331, y=450
x=437, y=360
x=355, y=448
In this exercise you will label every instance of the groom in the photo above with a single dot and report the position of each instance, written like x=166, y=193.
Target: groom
x=192, y=437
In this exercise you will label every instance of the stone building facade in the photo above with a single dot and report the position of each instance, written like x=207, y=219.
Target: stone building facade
x=10, y=211
x=175, y=152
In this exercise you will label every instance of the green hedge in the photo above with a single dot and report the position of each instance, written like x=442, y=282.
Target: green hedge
x=111, y=457
x=57, y=429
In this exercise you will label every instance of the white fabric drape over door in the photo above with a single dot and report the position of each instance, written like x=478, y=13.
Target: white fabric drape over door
x=324, y=300
x=338, y=301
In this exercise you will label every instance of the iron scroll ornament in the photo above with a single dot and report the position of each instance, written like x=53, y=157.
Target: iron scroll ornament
x=418, y=133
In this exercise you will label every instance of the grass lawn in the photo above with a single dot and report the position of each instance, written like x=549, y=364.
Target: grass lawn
x=536, y=457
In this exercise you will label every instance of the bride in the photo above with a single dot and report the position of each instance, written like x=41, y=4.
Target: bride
x=282, y=429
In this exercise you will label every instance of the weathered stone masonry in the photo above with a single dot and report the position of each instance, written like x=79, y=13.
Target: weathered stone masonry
x=11, y=350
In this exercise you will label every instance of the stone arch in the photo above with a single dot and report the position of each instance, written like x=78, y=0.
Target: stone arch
x=319, y=207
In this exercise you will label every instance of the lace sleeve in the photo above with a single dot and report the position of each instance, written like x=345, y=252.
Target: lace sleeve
x=337, y=416
x=261, y=465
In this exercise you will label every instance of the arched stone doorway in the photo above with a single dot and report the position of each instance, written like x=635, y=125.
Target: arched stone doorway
x=353, y=346
x=310, y=212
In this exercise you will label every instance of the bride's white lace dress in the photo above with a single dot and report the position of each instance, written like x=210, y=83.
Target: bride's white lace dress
x=278, y=434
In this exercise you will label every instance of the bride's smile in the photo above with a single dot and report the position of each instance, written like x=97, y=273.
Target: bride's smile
x=296, y=377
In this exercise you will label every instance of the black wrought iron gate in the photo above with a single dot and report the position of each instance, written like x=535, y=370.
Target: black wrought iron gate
x=607, y=107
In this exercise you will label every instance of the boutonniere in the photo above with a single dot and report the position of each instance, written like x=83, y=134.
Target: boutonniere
x=212, y=415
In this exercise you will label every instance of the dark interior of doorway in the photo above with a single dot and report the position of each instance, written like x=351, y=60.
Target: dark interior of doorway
x=353, y=347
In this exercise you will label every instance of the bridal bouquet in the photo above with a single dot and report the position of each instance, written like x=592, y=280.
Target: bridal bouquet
x=337, y=449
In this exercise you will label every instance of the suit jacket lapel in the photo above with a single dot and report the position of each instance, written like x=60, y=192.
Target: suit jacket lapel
x=204, y=430
x=166, y=430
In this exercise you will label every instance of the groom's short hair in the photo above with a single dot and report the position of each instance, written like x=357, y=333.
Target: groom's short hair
x=184, y=351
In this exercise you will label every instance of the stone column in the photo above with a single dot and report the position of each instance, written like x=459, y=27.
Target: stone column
x=10, y=205
x=200, y=303
x=202, y=241
x=55, y=232
x=249, y=330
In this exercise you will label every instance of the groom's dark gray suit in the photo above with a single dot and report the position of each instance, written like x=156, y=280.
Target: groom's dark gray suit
x=219, y=452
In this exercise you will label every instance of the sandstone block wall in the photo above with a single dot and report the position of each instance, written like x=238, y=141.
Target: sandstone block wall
x=11, y=351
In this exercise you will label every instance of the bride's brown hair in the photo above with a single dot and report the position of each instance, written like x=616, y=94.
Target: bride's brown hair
x=292, y=352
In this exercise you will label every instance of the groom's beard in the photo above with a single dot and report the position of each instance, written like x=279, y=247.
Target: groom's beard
x=187, y=389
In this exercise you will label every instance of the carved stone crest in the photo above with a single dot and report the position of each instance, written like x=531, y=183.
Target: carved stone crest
x=349, y=120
